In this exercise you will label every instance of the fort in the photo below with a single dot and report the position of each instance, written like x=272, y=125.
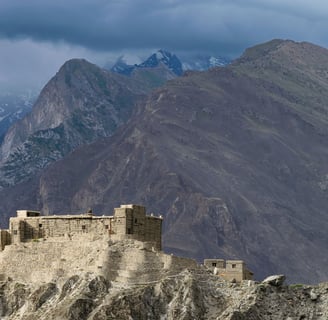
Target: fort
x=125, y=247
x=127, y=222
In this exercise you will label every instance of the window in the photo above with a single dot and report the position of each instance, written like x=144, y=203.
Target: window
x=83, y=227
x=213, y=264
x=106, y=226
x=15, y=232
x=135, y=220
x=233, y=266
x=129, y=231
x=40, y=225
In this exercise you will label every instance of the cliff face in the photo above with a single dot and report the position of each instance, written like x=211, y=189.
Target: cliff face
x=234, y=158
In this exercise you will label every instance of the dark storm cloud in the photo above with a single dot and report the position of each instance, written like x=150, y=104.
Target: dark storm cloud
x=38, y=36
x=207, y=25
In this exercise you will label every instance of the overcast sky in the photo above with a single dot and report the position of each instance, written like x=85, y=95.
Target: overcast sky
x=38, y=36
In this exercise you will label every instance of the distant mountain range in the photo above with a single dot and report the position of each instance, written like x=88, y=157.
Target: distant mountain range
x=172, y=62
x=79, y=105
x=235, y=158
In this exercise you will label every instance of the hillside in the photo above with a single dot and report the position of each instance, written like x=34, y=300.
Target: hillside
x=123, y=280
x=185, y=295
x=234, y=158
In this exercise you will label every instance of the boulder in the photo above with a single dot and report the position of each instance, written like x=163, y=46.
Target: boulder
x=313, y=295
x=275, y=280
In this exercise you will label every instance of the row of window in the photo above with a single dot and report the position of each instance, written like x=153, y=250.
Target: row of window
x=83, y=228
x=232, y=266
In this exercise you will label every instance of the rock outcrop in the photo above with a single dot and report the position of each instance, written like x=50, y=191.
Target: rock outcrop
x=186, y=295
x=275, y=280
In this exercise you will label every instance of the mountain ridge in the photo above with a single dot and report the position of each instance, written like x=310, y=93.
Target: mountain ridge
x=170, y=61
x=233, y=159
x=80, y=104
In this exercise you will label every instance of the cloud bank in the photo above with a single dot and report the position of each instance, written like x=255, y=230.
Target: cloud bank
x=44, y=34
x=208, y=25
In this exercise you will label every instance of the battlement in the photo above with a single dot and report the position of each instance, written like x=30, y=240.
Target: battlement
x=231, y=270
x=128, y=222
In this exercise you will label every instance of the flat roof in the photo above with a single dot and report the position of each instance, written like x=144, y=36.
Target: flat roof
x=213, y=259
x=68, y=216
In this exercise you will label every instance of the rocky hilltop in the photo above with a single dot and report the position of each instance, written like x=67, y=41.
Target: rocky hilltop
x=234, y=158
x=132, y=288
x=188, y=295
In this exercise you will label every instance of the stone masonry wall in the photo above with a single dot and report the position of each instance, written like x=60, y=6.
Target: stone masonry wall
x=153, y=231
x=230, y=269
x=128, y=222
x=47, y=260
x=131, y=222
x=5, y=238
x=25, y=229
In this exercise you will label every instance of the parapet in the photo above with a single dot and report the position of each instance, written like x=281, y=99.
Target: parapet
x=132, y=206
x=27, y=213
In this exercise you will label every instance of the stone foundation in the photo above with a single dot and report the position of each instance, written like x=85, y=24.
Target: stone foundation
x=127, y=261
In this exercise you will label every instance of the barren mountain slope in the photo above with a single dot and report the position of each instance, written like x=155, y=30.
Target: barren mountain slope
x=79, y=104
x=234, y=158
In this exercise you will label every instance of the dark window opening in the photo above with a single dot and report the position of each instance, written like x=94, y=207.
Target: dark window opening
x=233, y=266
x=83, y=227
x=40, y=225
x=15, y=231
x=213, y=264
x=129, y=231
x=106, y=226
x=135, y=220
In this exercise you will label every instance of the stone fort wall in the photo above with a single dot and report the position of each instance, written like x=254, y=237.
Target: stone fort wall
x=124, y=247
x=128, y=222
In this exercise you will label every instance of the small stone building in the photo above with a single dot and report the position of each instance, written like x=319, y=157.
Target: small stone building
x=127, y=222
x=230, y=270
